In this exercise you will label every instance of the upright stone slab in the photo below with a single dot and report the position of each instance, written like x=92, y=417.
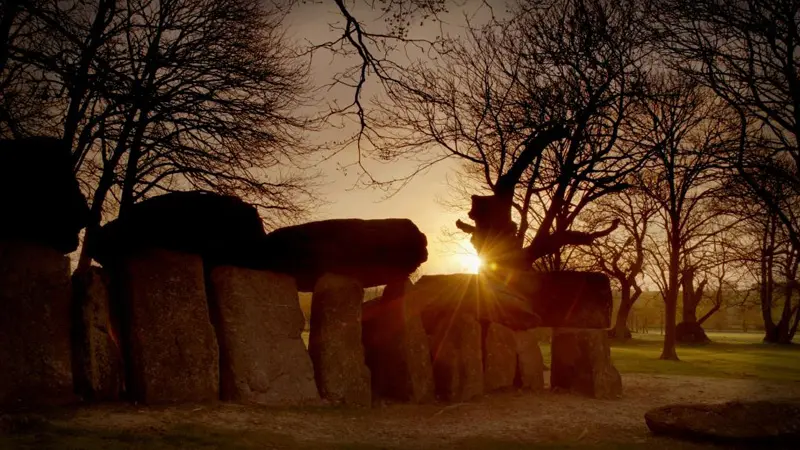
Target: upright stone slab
x=530, y=364
x=499, y=358
x=396, y=348
x=258, y=322
x=97, y=359
x=172, y=350
x=457, y=353
x=335, y=341
x=35, y=292
x=581, y=362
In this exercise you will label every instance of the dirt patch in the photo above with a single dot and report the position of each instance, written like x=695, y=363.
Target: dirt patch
x=506, y=420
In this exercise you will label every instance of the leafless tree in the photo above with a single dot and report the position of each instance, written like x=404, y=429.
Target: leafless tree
x=535, y=105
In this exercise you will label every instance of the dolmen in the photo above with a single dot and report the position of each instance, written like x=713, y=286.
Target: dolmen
x=43, y=212
x=207, y=302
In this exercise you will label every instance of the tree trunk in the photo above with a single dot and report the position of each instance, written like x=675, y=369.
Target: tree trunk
x=621, y=330
x=767, y=282
x=671, y=298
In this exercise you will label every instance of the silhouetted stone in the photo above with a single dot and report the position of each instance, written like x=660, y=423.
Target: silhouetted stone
x=374, y=252
x=759, y=423
x=40, y=199
x=35, y=292
x=222, y=229
x=396, y=348
x=499, y=358
x=581, y=362
x=258, y=323
x=530, y=364
x=524, y=300
x=691, y=333
x=172, y=350
x=98, y=368
x=457, y=354
x=335, y=341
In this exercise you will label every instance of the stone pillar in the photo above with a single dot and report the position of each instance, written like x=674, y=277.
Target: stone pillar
x=396, y=348
x=530, y=364
x=499, y=358
x=457, y=353
x=97, y=359
x=35, y=294
x=258, y=322
x=172, y=351
x=335, y=341
x=581, y=362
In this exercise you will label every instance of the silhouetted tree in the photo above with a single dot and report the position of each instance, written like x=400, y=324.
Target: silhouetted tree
x=158, y=96
x=684, y=127
x=621, y=255
x=536, y=105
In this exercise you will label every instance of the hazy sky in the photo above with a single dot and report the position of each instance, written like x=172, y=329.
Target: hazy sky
x=418, y=200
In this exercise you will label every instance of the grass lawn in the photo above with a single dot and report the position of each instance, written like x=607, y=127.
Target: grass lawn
x=729, y=355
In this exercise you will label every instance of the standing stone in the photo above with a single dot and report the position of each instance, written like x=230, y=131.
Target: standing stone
x=35, y=292
x=457, y=353
x=258, y=322
x=335, y=341
x=97, y=360
x=396, y=348
x=172, y=350
x=581, y=362
x=530, y=364
x=499, y=358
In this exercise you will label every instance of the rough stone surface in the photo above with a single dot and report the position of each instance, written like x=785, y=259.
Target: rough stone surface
x=373, y=252
x=759, y=423
x=530, y=364
x=39, y=196
x=35, y=292
x=457, y=354
x=258, y=322
x=396, y=348
x=499, y=358
x=335, y=341
x=98, y=368
x=171, y=347
x=691, y=333
x=581, y=362
x=520, y=301
x=222, y=229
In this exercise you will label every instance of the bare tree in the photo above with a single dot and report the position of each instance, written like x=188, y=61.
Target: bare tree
x=683, y=126
x=621, y=255
x=535, y=105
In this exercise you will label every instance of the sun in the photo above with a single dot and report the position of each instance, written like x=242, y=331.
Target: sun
x=471, y=262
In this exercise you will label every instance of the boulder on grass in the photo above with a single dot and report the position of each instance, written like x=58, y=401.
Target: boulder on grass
x=222, y=229
x=373, y=252
x=335, y=341
x=258, y=322
x=499, y=357
x=396, y=348
x=97, y=359
x=457, y=354
x=171, y=347
x=39, y=195
x=35, y=294
x=581, y=362
x=530, y=364
x=759, y=424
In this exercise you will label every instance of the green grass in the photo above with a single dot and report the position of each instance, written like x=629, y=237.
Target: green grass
x=729, y=355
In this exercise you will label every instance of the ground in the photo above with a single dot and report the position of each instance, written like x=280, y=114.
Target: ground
x=734, y=367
